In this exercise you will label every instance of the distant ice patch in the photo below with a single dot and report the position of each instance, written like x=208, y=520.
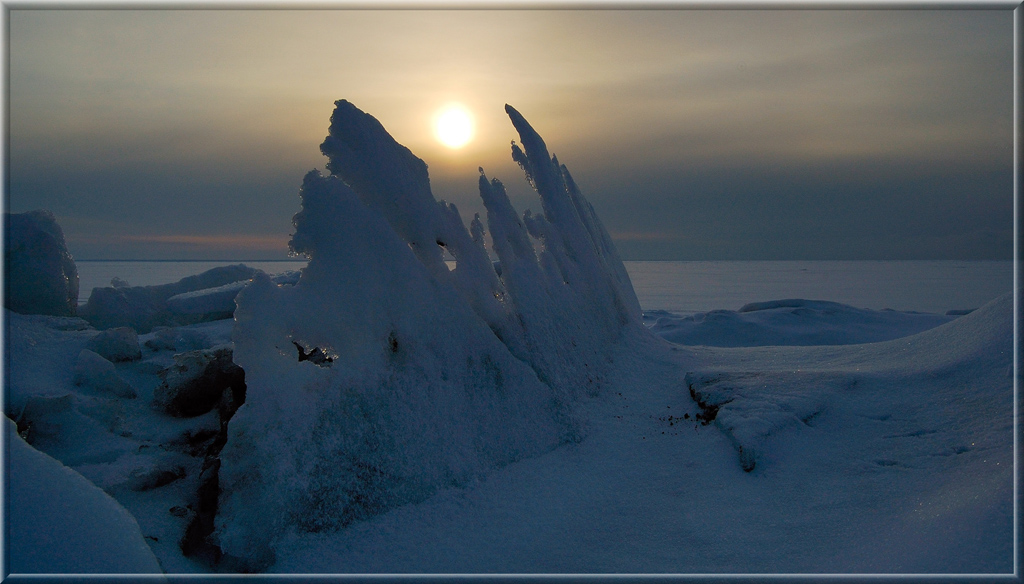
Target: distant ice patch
x=792, y=322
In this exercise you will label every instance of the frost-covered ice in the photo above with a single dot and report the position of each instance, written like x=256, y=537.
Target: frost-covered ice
x=424, y=377
x=78, y=411
x=215, y=302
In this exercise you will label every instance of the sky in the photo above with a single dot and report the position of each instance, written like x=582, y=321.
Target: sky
x=695, y=134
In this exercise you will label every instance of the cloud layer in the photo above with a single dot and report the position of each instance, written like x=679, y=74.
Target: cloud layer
x=681, y=126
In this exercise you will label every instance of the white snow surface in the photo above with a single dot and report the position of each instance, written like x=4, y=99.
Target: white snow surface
x=889, y=457
x=58, y=522
x=120, y=443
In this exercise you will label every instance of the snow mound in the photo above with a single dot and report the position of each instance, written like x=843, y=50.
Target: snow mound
x=792, y=322
x=381, y=376
x=145, y=307
x=60, y=523
x=40, y=276
x=94, y=371
x=117, y=344
x=750, y=407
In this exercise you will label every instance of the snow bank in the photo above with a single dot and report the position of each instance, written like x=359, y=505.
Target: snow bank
x=40, y=276
x=60, y=523
x=793, y=322
x=751, y=406
x=382, y=376
x=145, y=307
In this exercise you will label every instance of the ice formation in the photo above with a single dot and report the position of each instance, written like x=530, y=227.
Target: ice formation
x=145, y=307
x=381, y=376
x=40, y=276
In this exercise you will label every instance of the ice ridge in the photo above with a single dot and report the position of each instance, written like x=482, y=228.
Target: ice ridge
x=424, y=377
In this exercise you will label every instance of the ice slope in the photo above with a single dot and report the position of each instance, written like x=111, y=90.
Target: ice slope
x=892, y=457
x=57, y=522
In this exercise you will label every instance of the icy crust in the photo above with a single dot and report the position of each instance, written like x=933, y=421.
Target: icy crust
x=558, y=308
x=792, y=322
x=569, y=299
x=60, y=523
x=382, y=376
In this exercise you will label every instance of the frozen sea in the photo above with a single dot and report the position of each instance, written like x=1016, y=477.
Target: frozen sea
x=700, y=286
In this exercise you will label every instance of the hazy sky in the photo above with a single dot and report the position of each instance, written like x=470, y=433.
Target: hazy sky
x=695, y=134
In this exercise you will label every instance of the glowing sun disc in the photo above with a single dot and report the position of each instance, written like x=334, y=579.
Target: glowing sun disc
x=454, y=126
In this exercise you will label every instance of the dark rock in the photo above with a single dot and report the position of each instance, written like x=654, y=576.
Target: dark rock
x=196, y=542
x=197, y=382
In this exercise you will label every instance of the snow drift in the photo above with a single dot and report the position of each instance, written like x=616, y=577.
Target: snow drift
x=60, y=523
x=381, y=376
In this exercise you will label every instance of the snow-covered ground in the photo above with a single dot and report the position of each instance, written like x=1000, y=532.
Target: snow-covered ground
x=382, y=413
x=883, y=457
x=892, y=457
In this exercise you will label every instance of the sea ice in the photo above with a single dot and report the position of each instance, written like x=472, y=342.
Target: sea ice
x=145, y=307
x=792, y=322
x=117, y=344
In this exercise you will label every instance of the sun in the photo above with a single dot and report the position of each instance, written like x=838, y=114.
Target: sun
x=453, y=126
